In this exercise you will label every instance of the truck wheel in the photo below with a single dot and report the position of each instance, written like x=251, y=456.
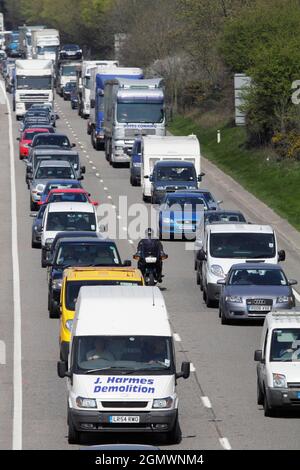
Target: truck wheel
x=73, y=435
x=174, y=436
x=260, y=395
x=198, y=278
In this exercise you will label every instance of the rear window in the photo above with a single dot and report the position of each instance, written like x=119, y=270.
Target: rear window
x=30, y=135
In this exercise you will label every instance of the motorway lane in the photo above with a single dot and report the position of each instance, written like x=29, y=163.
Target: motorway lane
x=222, y=355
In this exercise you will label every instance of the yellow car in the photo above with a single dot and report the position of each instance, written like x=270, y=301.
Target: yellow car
x=73, y=279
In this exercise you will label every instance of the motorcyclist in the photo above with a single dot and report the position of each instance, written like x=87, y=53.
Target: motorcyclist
x=150, y=247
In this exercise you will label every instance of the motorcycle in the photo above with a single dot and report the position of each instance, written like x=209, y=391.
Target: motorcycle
x=150, y=270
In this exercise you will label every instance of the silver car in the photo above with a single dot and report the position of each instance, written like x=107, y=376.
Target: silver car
x=251, y=290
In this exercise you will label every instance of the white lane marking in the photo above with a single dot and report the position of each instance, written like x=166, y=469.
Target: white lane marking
x=193, y=368
x=225, y=443
x=206, y=402
x=101, y=181
x=297, y=295
x=2, y=353
x=91, y=161
x=97, y=174
x=84, y=151
x=114, y=207
x=119, y=217
x=94, y=168
x=17, y=400
x=176, y=337
x=105, y=188
x=109, y=197
x=130, y=241
x=125, y=229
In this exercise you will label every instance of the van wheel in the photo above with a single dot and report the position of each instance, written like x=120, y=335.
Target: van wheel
x=269, y=412
x=260, y=395
x=74, y=437
x=174, y=436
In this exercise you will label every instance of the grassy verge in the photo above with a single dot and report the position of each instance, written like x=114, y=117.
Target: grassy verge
x=275, y=183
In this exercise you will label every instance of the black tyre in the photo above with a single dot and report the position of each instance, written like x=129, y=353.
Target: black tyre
x=35, y=244
x=43, y=258
x=74, y=436
x=174, y=436
x=33, y=206
x=198, y=278
x=260, y=395
x=151, y=281
x=53, y=313
x=224, y=320
x=268, y=411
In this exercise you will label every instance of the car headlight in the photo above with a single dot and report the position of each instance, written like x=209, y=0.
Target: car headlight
x=279, y=381
x=166, y=220
x=118, y=148
x=57, y=283
x=234, y=298
x=284, y=299
x=162, y=402
x=136, y=165
x=160, y=188
x=217, y=270
x=69, y=324
x=86, y=402
x=40, y=188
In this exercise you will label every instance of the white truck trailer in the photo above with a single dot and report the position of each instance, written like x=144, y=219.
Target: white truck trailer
x=45, y=44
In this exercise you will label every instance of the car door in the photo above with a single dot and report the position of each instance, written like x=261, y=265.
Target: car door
x=204, y=262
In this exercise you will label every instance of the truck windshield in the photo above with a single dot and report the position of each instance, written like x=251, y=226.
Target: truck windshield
x=285, y=345
x=242, y=245
x=70, y=221
x=69, y=70
x=72, y=289
x=143, y=354
x=43, y=49
x=140, y=112
x=85, y=253
x=34, y=83
x=175, y=173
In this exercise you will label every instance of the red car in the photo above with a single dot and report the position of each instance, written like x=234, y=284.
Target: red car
x=26, y=139
x=68, y=195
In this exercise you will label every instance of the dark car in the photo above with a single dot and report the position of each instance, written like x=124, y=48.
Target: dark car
x=135, y=163
x=78, y=251
x=37, y=228
x=70, y=51
x=52, y=140
x=251, y=290
x=30, y=125
x=46, y=107
x=211, y=201
x=67, y=90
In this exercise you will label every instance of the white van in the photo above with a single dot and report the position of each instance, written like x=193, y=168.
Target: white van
x=228, y=244
x=156, y=148
x=278, y=369
x=63, y=217
x=121, y=369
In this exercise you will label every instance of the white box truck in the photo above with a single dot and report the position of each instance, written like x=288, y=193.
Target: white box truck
x=45, y=44
x=121, y=372
x=33, y=84
x=155, y=148
x=67, y=72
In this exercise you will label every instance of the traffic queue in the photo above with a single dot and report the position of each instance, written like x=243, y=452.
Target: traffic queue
x=120, y=368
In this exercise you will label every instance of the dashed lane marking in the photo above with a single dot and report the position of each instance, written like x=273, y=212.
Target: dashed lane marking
x=206, y=402
x=225, y=443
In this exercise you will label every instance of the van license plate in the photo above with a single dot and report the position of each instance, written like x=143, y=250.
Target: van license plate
x=260, y=308
x=124, y=419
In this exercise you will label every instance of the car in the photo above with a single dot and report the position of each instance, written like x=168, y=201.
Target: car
x=36, y=113
x=209, y=217
x=66, y=216
x=26, y=139
x=80, y=251
x=135, y=163
x=67, y=89
x=36, y=121
x=45, y=171
x=70, y=51
x=48, y=107
x=37, y=227
x=278, y=362
x=52, y=140
x=74, y=279
x=57, y=184
x=251, y=290
x=74, y=99
x=30, y=125
x=180, y=213
x=212, y=203
x=77, y=234
x=68, y=195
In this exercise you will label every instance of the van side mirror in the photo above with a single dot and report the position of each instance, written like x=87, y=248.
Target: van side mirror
x=281, y=255
x=127, y=263
x=18, y=138
x=292, y=282
x=201, y=256
x=200, y=176
x=73, y=145
x=83, y=169
x=185, y=371
x=258, y=355
x=62, y=369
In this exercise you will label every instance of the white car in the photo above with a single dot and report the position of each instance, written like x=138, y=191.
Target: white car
x=65, y=216
x=278, y=369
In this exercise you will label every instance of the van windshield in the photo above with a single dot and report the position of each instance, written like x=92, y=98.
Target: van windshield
x=128, y=354
x=285, y=345
x=242, y=245
x=175, y=173
x=72, y=288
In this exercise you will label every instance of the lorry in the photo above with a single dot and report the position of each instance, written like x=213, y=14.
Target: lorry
x=131, y=108
x=2, y=39
x=167, y=148
x=33, y=84
x=66, y=73
x=98, y=80
x=25, y=39
x=84, y=81
x=121, y=368
x=45, y=44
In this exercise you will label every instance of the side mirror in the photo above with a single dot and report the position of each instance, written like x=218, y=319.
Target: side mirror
x=146, y=176
x=258, y=355
x=93, y=104
x=127, y=262
x=33, y=214
x=73, y=145
x=136, y=257
x=95, y=203
x=62, y=369
x=80, y=178
x=201, y=256
x=18, y=138
x=165, y=257
x=221, y=282
x=281, y=255
x=57, y=116
x=83, y=169
x=185, y=371
x=292, y=282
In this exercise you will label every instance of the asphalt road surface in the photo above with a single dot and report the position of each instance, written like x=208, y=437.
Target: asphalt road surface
x=218, y=407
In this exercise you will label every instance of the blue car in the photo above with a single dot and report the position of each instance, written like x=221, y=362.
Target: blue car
x=179, y=215
x=135, y=163
x=212, y=203
x=56, y=184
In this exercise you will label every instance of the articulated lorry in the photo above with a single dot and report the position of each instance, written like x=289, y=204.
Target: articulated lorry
x=84, y=82
x=25, y=39
x=45, y=44
x=98, y=80
x=33, y=84
x=132, y=108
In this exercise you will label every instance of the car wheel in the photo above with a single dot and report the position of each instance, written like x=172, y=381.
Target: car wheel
x=33, y=205
x=35, y=244
x=174, y=436
x=198, y=278
x=224, y=320
x=43, y=258
x=268, y=411
x=260, y=395
x=53, y=312
x=209, y=302
x=74, y=436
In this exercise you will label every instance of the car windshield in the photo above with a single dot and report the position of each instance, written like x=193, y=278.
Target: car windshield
x=30, y=135
x=68, y=70
x=72, y=288
x=70, y=85
x=67, y=221
x=285, y=345
x=176, y=173
x=87, y=254
x=54, y=172
x=124, y=353
x=224, y=217
x=258, y=277
x=194, y=202
x=58, y=140
x=68, y=197
x=242, y=245
x=140, y=112
x=58, y=185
